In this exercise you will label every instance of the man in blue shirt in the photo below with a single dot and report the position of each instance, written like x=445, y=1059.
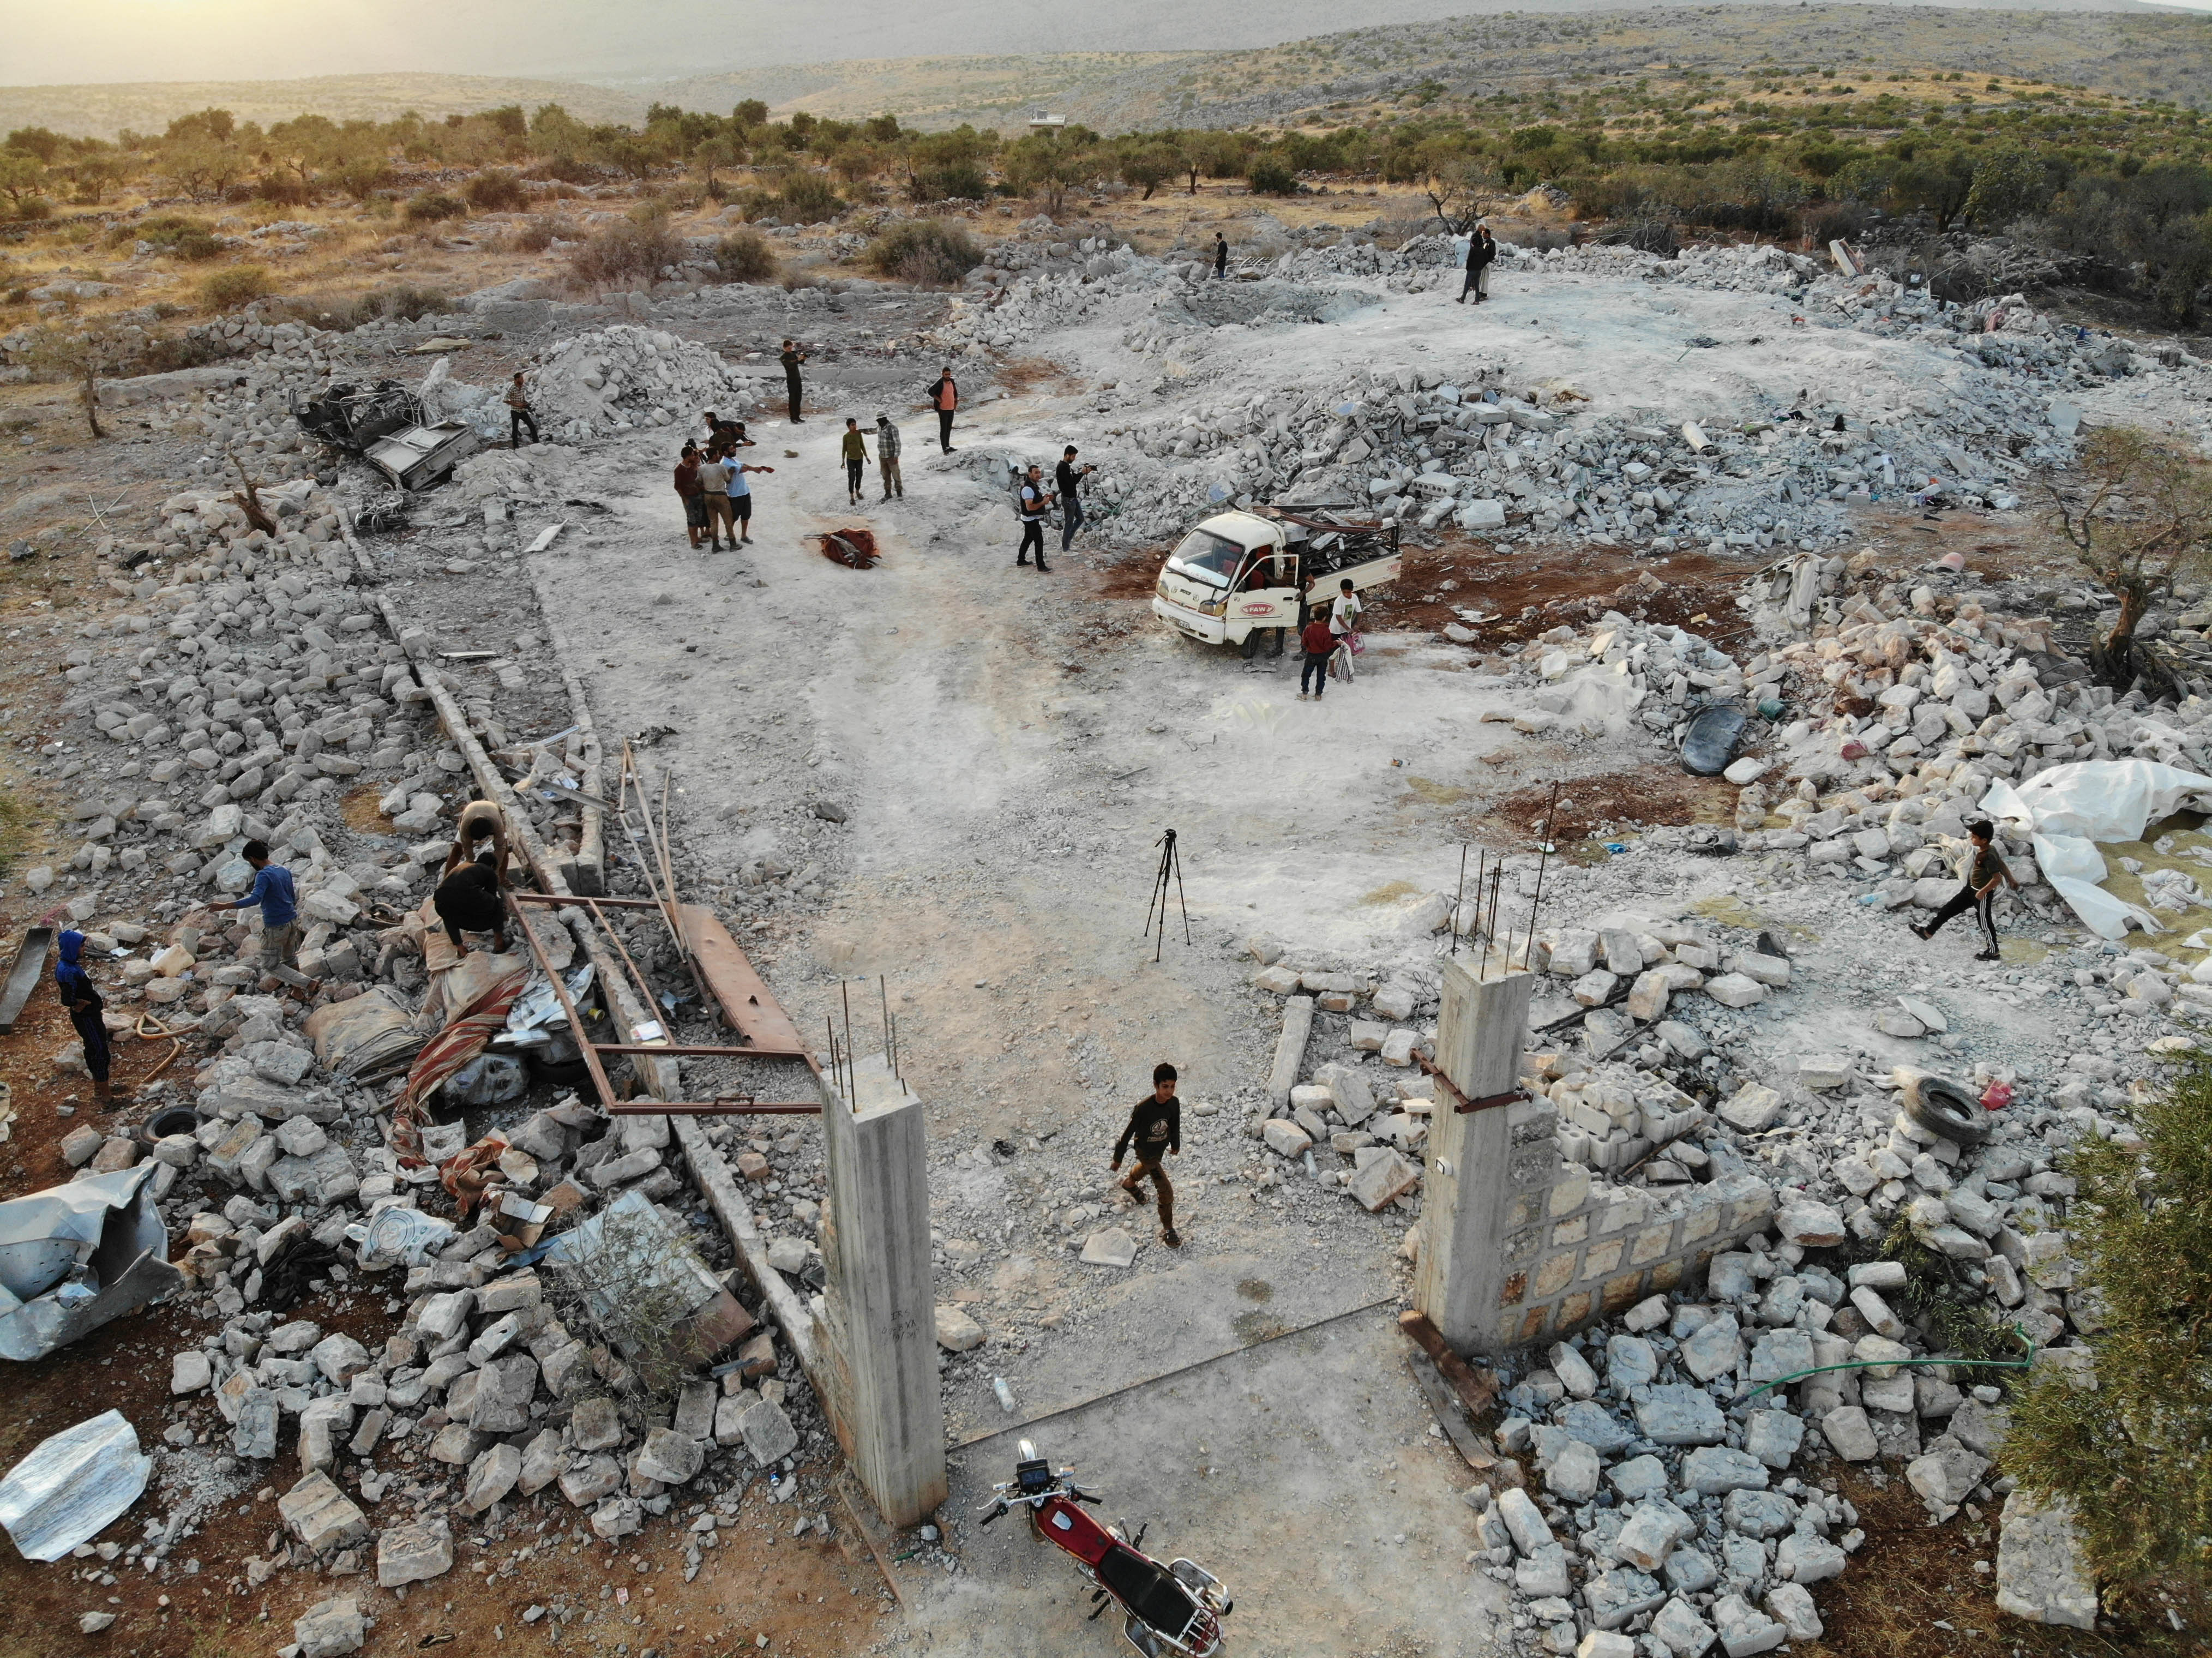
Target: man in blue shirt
x=280, y=918
x=85, y=1010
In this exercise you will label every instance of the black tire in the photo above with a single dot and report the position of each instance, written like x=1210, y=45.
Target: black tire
x=1250, y=647
x=1945, y=1109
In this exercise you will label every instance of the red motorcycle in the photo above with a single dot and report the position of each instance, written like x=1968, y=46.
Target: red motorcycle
x=1174, y=1609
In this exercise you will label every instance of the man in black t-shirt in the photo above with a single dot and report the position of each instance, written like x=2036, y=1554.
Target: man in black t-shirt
x=1156, y=1129
x=1069, y=476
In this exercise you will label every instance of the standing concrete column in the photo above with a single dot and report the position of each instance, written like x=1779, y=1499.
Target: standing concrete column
x=882, y=1352
x=1470, y=1218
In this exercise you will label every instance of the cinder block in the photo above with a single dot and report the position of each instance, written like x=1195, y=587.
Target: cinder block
x=1624, y=1291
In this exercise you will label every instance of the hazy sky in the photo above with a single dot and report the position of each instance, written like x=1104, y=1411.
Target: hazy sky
x=49, y=41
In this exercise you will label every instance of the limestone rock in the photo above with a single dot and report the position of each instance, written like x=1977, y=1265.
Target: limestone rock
x=330, y=1629
x=2042, y=1574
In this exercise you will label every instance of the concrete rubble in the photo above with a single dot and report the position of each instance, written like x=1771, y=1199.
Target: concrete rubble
x=243, y=682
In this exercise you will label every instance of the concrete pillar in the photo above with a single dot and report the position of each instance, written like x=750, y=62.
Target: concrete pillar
x=879, y=1310
x=1469, y=1212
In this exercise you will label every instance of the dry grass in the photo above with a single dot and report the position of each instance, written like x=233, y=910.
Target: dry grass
x=1912, y=1589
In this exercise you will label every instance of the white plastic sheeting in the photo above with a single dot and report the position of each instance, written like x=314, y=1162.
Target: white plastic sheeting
x=2069, y=809
x=69, y=1489
x=74, y=1256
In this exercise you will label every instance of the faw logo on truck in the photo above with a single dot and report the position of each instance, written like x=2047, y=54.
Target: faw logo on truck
x=1257, y=610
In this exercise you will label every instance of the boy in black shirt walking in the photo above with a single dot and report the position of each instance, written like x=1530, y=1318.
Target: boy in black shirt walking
x=1156, y=1126
x=1979, y=893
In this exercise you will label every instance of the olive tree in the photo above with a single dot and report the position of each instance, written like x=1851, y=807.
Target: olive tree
x=2137, y=513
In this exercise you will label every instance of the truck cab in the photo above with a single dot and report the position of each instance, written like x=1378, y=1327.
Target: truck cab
x=1239, y=575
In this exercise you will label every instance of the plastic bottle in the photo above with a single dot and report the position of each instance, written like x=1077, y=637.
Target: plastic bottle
x=1005, y=1394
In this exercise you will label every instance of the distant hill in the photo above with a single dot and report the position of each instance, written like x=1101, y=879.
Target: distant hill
x=102, y=111
x=2142, y=53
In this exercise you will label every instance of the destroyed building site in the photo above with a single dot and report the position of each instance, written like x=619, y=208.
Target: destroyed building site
x=1605, y=1220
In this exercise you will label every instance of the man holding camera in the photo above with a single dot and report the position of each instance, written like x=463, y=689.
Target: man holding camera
x=1069, y=477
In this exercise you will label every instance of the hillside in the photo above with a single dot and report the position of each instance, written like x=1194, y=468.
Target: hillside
x=2140, y=53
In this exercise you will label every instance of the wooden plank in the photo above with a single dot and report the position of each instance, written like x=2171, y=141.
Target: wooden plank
x=746, y=1001
x=1478, y=1389
x=1450, y=1417
x=23, y=976
x=1449, y=1398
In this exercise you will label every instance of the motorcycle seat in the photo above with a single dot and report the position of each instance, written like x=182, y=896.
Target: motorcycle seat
x=1154, y=1593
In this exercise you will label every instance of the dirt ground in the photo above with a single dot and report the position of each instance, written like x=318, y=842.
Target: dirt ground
x=1004, y=750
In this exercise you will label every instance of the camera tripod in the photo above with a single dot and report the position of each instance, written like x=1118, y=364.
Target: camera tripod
x=1170, y=864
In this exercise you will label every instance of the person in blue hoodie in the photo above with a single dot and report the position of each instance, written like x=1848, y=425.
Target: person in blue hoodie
x=82, y=999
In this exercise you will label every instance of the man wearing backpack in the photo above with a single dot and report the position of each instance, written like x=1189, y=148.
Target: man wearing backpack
x=1032, y=500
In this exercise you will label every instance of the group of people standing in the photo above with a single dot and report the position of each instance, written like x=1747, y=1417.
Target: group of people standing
x=711, y=481
x=710, y=474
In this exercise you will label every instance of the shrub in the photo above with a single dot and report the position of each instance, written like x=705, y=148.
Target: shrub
x=283, y=189
x=744, y=256
x=404, y=303
x=624, y=251
x=807, y=198
x=172, y=234
x=960, y=181
x=234, y=285
x=926, y=251
x=433, y=206
x=536, y=234
x=33, y=208
x=1271, y=176
x=497, y=192
x=2131, y=1453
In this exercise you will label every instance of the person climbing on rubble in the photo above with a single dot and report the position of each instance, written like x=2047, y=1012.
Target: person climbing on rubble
x=945, y=398
x=468, y=901
x=87, y=1011
x=273, y=891
x=517, y=413
x=1220, y=256
x=691, y=492
x=1155, y=1128
x=479, y=819
x=887, y=456
x=1985, y=870
x=792, y=357
x=855, y=448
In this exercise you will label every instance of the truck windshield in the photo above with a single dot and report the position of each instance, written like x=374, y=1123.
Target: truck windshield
x=1205, y=556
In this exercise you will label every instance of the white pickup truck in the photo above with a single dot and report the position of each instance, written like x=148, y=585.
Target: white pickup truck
x=1240, y=575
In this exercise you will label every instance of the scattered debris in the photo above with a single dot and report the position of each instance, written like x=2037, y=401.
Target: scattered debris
x=73, y=1257
x=72, y=1486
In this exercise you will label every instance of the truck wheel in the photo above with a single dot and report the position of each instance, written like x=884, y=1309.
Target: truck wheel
x=1250, y=646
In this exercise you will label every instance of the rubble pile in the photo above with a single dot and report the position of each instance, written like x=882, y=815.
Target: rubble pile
x=620, y=377
x=1677, y=1504
x=247, y=689
x=1489, y=453
x=496, y=1382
